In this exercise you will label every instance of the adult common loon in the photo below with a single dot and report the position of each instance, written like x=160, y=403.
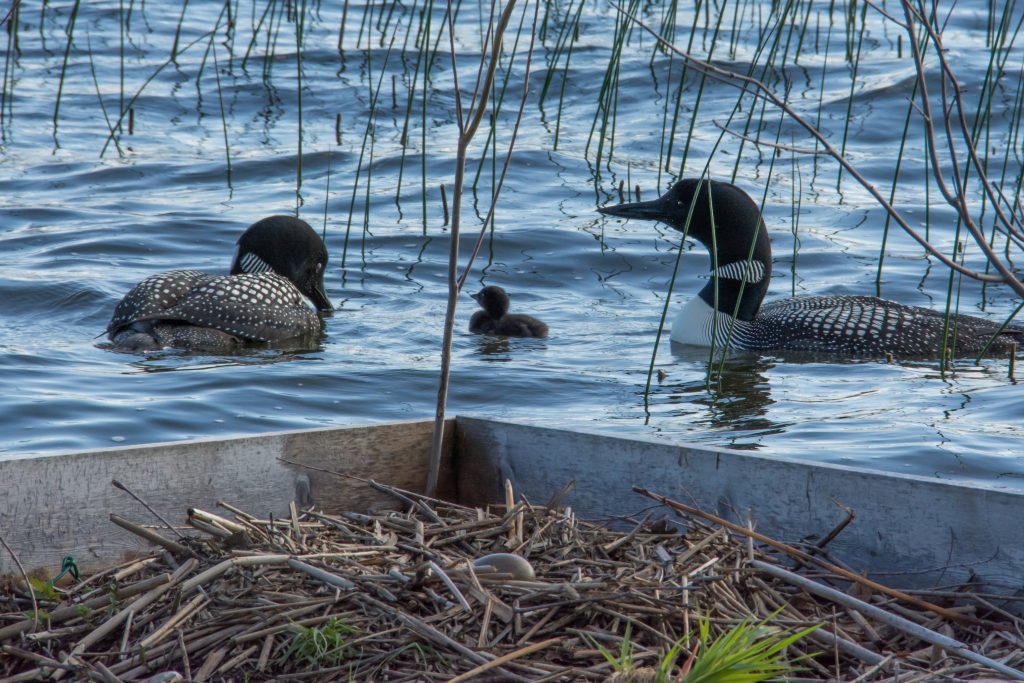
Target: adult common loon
x=495, y=318
x=280, y=260
x=848, y=325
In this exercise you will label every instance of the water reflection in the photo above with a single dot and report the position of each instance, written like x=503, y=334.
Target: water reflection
x=175, y=360
x=504, y=349
x=494, y=349
x=735, y=395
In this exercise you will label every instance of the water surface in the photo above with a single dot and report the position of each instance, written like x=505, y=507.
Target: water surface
x=82, y=224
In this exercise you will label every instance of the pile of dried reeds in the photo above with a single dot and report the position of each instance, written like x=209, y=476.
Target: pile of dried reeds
x=406, y=596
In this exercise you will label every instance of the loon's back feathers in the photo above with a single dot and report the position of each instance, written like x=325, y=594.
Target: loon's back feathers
x=262, y=307
x=869, y=326
x=195, y=310
x=153, y=296
x=725, y=218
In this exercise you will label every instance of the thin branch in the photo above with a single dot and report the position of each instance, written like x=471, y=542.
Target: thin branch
x=769, y=144
x=959, y=200
x=758, y=89
x=467, y=129
x=508, y=155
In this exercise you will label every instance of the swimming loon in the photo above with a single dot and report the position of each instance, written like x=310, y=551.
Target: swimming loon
x=280, y=260
x=848, y=325
x=495, y=318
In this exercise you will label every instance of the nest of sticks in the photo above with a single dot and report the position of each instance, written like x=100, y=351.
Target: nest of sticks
x=419, y=594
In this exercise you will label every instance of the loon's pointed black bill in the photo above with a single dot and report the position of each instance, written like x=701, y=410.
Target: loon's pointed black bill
x=319, y=297
x=653, y=210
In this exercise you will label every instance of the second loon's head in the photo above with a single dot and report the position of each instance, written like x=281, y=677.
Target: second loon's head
x=725, y=220
x=287, y=246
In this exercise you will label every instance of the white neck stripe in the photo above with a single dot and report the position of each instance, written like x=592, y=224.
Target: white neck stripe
x=753, y=270
x=251, y=263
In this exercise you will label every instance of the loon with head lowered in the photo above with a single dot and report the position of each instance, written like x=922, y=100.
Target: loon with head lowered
x=279, y=264
x=729, y=310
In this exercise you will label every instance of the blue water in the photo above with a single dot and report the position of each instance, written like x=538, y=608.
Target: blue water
x=81, y=224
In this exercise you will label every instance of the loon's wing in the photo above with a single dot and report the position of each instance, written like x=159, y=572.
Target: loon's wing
x=153, y=296
x=256, y=306
x=872, y=326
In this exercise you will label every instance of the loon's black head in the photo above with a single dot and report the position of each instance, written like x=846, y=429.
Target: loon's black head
x=732, y=225
x=725, y=220
x=494, y=300
x=288, y=247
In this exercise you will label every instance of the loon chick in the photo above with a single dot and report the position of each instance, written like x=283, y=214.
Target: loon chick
x=280, y=260
x=848, y=325
x=495, y=318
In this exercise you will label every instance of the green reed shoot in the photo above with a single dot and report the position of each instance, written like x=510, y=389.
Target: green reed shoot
x=300, y=21
x=138, y=93
x=223, y=117
x=341, y=26
x=668, y=295
x=769, y=39
x=64, y=67
x=804, y=24
x=273, y=31
x=563, y=45
x=410, y=99
x=795, y=203
x=319, y=647
x=367, y=133
x=99, y=96
x=609, y=86
x=121, y=28
x=750, y=257
x=267, y=11
x=821, y=92
x=948, y=351
x=177, y=31
x=7, y=87
x=700, y=93
x=496, y=104
x=853, y=86
x=892, y=192
x=667, y=164
x=211, y=36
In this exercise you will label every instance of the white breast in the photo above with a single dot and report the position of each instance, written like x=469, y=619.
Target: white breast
x=692, y=324
x=695, y=321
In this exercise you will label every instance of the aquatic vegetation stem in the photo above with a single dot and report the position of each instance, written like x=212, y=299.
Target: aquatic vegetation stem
x=223, y=117
x=299, y=25
x=64, y=66
x=468, y=122
x=138, y=93
x=367, y=132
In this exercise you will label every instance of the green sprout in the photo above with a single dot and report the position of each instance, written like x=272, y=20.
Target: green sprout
x=747, y=653
x=321, y=646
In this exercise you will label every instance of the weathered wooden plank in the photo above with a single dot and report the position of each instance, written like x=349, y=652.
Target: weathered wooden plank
x=56, y=505
x=919, y=530
x=927, y=529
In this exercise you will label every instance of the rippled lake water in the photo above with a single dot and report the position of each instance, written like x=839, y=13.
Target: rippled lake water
x=83, y=220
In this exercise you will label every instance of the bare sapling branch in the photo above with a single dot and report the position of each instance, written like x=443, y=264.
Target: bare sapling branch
x=468, y=122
